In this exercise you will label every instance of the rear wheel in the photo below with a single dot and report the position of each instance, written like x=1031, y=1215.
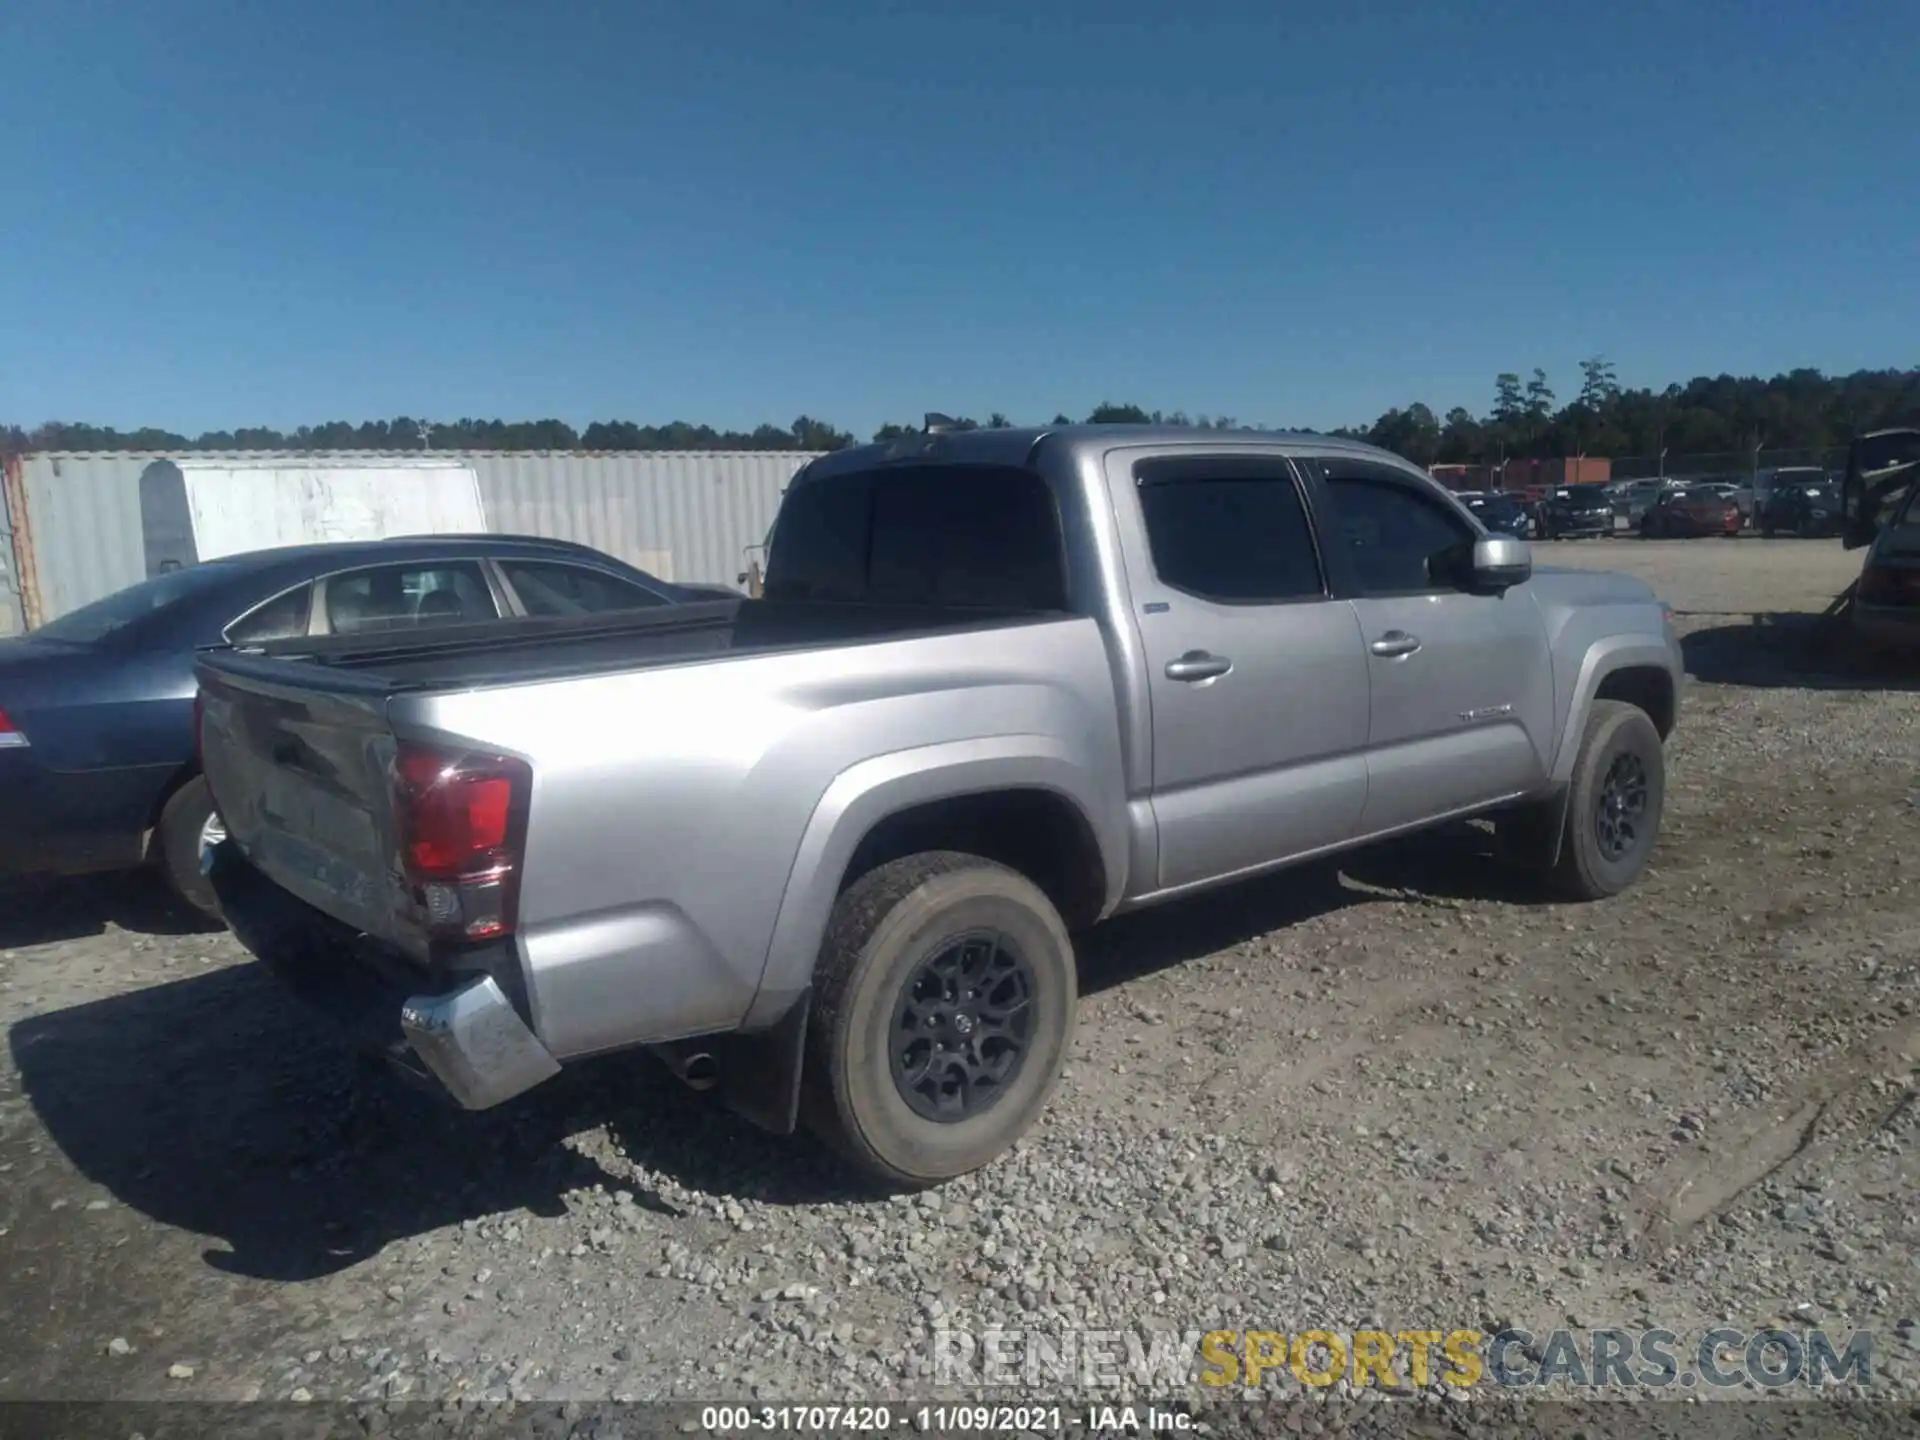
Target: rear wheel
x=943, y=1008
x=1618, y=792
x=188, y=823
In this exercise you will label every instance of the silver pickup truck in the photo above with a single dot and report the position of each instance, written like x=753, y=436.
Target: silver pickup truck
x=825, y=849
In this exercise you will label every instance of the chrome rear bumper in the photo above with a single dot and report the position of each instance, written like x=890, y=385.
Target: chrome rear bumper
x=475, y=1045
x=468, y=1042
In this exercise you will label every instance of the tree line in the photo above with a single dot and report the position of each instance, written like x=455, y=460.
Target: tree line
x=1801, y=409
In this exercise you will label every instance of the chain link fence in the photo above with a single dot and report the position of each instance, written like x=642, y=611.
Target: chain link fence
x=1736, y=465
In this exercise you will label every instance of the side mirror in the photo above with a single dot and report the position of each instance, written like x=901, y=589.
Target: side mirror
x=1500, y=562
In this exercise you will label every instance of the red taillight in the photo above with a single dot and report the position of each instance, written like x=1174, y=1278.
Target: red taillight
x=461, y=821
x=10, y=736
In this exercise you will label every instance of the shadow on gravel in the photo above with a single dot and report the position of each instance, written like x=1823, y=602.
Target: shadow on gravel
x=1147, y=941
x=40, y=910
x=1792, y=650
x=1454, y=862
x=216, y=1105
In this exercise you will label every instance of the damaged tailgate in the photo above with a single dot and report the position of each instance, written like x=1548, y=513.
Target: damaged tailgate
x=300, y=760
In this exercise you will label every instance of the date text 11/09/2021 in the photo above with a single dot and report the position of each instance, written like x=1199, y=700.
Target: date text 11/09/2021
x=935, y=1419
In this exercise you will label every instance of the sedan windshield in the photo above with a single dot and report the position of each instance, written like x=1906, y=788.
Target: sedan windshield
x=91, y=624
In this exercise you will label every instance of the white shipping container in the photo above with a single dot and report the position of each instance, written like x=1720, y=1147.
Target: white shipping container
x=87, y=523
x=237, y=506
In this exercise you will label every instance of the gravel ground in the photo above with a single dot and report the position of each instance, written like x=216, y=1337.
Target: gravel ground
x=1391, y=1092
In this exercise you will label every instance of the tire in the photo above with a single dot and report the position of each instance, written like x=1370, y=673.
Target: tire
x=884, y=928
x=177, y=843
x=1766, y=532
x=1616, y=733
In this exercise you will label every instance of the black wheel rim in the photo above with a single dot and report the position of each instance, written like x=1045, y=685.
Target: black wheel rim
x=1620, y=813
x=963, y=1025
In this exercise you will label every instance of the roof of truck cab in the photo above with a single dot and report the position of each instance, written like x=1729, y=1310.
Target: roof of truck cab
x=1016, y=446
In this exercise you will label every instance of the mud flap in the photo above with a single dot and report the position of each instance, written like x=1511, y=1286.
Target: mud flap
x=760, y=1071
x=1531, y=835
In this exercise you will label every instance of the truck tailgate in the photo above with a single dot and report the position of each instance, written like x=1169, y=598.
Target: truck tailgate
x=300, y=762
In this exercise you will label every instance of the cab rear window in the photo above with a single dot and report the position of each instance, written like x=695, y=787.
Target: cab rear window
x=968, y=536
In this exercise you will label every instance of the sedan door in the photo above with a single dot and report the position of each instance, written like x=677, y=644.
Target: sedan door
x=406, y=595
x=1256, y=675
x=1461, y=684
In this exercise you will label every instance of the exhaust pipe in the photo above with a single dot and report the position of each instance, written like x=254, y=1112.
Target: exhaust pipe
x=693, y=1067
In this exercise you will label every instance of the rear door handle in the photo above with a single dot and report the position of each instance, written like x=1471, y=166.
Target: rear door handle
x=1198, y=665
x=1394, y=643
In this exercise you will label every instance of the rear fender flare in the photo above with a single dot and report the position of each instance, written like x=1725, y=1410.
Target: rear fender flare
x=864, y=794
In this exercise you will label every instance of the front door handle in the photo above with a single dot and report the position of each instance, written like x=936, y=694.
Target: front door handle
x=1198, y=665
x=1395, y=643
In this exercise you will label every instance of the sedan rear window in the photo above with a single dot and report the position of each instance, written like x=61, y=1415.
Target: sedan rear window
x=108, y=617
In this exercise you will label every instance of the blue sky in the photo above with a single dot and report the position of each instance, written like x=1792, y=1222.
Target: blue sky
x=225, y=213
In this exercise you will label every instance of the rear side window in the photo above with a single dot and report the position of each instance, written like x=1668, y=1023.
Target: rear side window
x=970, y=536
x=281, y=618
x=546, y=588
x=1229, y=530
x=398, y=597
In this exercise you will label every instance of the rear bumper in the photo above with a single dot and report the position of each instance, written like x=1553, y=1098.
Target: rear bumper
x=460, y=1033
x=71, y=823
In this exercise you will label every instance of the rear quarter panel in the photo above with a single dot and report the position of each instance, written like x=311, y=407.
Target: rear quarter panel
x=109, y=733
x=689, y=825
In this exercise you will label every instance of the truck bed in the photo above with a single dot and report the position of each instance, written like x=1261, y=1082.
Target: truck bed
x=528, y=649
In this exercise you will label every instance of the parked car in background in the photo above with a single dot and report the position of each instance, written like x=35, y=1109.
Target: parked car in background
x=1633, y=498
x=1883, y=467
x=1696, y=510
x=1569, y=512
x=1807, y=510
x=1740, y=493
x=97, y=764
x=1501, y=514
x=1784, y=478
x=1880, y=504
x=825, y=851
x=1886, y=605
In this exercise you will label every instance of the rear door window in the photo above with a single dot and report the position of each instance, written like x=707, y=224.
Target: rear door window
x=1230, y=530
x=549, y=588
x=399, y=597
